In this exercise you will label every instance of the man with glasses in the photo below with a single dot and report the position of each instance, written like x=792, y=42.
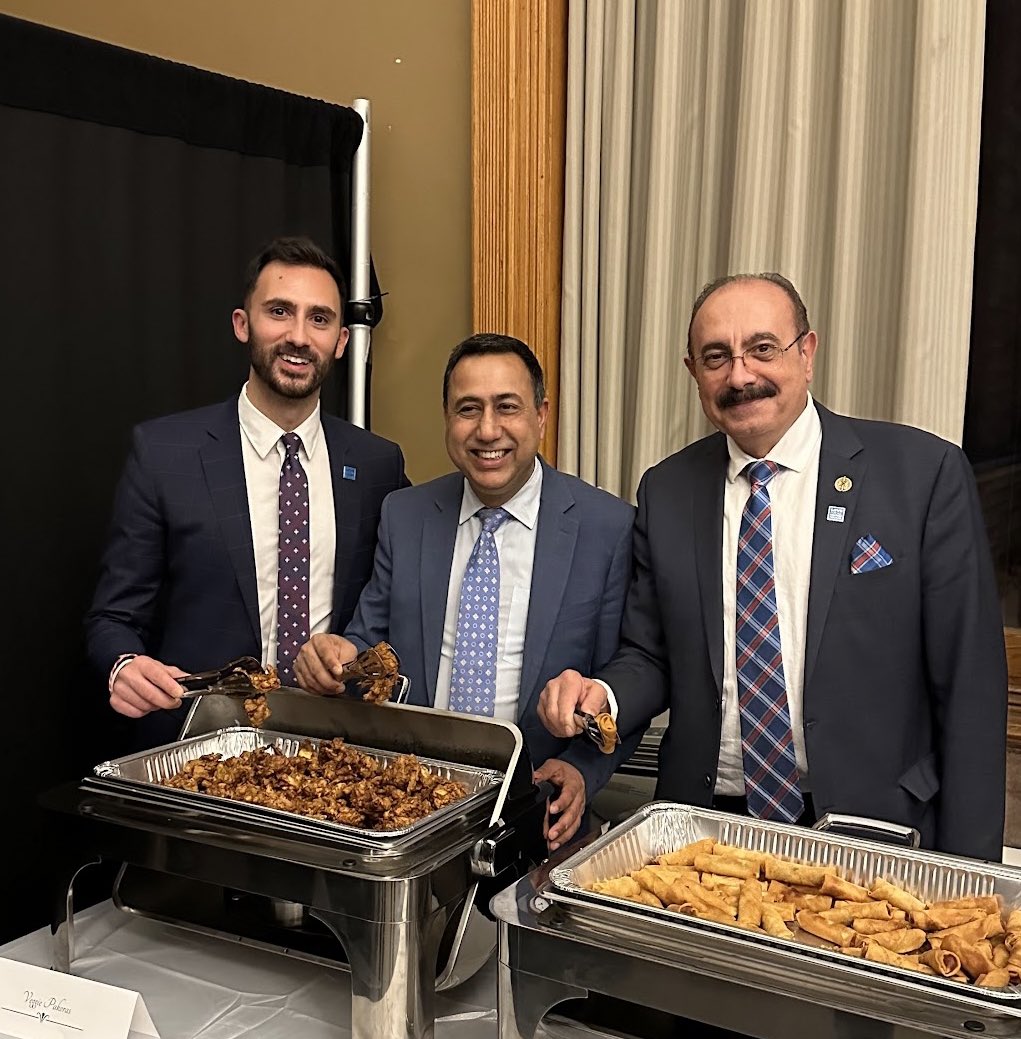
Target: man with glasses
x=813, y=601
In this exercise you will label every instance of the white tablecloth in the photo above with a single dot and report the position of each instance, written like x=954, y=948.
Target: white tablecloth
x=197, y=987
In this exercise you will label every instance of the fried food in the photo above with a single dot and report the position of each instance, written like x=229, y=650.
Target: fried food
x=974, y=940
x=331, y=781
x=377, y=668
x=256, y=706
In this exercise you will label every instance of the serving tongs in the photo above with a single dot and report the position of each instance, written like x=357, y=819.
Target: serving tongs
x=601, y=729
x=233, y=679
x=376, y=669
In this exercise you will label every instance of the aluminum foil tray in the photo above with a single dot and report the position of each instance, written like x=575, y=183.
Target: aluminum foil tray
x=146, y=769
x=663, y=826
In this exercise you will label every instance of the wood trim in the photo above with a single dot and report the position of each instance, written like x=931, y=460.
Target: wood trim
x=519, y=85
x=1012, y=642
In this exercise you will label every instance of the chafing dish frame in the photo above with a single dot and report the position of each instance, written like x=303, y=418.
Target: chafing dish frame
x=388, y=911
x=557, y=943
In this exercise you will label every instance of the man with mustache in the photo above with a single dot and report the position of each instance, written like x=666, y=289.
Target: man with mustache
x=244, y=527
x=813, y=600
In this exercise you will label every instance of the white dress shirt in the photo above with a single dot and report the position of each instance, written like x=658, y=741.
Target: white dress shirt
x=792, y=495
x=263, y=453
x=515, y=544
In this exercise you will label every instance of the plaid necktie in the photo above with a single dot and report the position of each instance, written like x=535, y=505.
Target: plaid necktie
x=473, y=675
x=770, y=769
x=293, y=566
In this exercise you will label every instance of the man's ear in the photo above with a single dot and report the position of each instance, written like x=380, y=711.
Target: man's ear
x=239, y=319
x=345, y=335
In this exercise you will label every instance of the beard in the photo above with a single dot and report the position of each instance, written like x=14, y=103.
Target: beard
x=263, y=355
x=730, y=397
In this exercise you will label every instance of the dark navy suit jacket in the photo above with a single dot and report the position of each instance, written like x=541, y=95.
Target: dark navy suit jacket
x=904, y=698
x=580, y=574
x=177, y=580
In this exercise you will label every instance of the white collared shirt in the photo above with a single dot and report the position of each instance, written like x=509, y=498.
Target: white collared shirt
x=515, y=543
x=792, y=494
x=263, y=453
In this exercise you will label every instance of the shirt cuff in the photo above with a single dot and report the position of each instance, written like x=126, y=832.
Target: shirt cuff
x=611, y=700
x=118, y=666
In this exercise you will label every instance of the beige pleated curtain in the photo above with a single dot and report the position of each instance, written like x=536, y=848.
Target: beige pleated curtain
x=833, y=140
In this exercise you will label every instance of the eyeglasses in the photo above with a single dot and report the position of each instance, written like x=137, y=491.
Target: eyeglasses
x=761, y=353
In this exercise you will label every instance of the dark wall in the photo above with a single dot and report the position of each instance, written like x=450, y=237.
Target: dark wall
x=132, y=194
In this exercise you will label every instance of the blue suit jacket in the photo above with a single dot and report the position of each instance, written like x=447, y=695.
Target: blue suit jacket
x=580, y=575
x=904, y=696
x=177, y=580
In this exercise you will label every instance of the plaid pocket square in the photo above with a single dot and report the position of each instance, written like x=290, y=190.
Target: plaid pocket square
x=869, y=555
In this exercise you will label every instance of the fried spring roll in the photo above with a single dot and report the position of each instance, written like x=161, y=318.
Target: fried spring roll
x=939, y=919
x=857, y=911
x=721, y=883
x=821, y=928
x=749, y=904
x=646, y=898
x=700, y=896
x=794, y=873
x=906, y=940
x=987, y=927
x=878, y=954
x=988, y=903
x=724, y=867
x=896, y=896
x=813, y=903
x=619, y=887
x=686, y=856
x=857, y=951
x=866, y=926
x=656, y=883
x=1001, y=955
x=732, y=851
x=702, y=912
x=1013, y=918
x=944, y=963
x=773, y=923
x=973, y=962
x=839, y=888
x=999, y=978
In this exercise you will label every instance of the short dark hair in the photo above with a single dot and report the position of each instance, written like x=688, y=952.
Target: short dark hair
x=800, y=313
x=485, y=343
x=294, y=252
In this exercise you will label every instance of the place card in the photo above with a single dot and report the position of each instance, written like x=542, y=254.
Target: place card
x=36, y=1003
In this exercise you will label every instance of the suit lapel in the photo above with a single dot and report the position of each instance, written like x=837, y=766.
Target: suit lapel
x=556, y=535
x=708, y=548
x=840, y=456
x=439, y=532
x=347, y=506
x=224, y=470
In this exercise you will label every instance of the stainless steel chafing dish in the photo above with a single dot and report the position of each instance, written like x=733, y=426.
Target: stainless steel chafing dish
x=560, y=941
x=396, y=908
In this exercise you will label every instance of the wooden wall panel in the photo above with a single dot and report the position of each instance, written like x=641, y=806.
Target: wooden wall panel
x=519, y=69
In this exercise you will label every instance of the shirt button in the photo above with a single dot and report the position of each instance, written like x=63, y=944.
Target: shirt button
x=707, y=780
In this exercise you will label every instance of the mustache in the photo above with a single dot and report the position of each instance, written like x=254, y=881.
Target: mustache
x=732, y=396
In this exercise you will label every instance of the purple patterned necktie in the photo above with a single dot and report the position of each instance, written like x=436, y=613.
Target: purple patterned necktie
x=473, y=675
x=767, y=740
x=293, y=566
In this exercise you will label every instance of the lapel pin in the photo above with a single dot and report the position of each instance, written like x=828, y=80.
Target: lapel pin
x=843, y=483
x=835, y=513
x=350, y=472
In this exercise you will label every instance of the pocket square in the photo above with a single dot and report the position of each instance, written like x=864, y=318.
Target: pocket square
x=869, y=555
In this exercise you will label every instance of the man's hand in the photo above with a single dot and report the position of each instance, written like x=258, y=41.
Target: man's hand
x=143, y=685
x=569, y=804
x=321, y=661
x=562, y=695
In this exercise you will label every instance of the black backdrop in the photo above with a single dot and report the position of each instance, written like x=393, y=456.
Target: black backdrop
x=132, y=193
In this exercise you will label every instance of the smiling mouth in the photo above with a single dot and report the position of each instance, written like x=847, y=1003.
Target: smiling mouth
x=491, y=456
x=302, y=362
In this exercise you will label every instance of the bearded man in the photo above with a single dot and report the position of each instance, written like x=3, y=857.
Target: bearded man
x=245, y=527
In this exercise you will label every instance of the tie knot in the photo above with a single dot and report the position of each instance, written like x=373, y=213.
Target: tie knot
x=291, y=444
x=492, y=519
x=760, y=473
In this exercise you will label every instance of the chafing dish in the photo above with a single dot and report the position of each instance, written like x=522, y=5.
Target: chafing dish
x=560, y=941
x=398, y=906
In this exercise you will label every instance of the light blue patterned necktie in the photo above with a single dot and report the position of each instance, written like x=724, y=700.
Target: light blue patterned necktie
x=767, y=739
x=473, y=675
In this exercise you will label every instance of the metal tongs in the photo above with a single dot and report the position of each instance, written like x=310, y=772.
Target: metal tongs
x=601, y=729
x=233, y=679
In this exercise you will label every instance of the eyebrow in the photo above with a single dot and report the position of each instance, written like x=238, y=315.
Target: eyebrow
x=755, y=337
x=499, y=398
x=316, y=308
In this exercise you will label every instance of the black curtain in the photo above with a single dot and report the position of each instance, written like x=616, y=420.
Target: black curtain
x=133, y=191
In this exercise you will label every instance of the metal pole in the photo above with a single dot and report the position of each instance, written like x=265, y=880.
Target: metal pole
x=361, y=334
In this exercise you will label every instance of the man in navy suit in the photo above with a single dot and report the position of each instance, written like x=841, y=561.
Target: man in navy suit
x=839, y=565
x=189, y=579
x=561, y=551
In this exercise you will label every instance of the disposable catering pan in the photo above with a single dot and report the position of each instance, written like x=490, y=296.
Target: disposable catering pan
x=661, y=827
x=146, y=770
